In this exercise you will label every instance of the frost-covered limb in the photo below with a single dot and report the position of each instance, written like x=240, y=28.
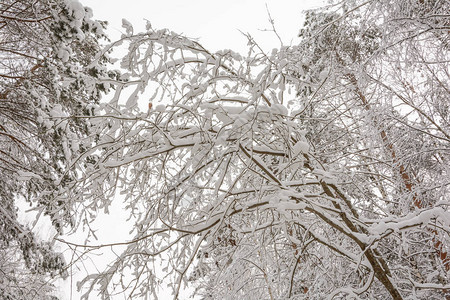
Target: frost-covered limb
x=276, y=168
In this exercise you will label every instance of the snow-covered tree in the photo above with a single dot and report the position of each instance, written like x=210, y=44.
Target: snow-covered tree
x=45, y=79
x=316, y=171
x=17, y=281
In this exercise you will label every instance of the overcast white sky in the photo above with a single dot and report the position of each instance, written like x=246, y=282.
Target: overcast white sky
x=217, y=25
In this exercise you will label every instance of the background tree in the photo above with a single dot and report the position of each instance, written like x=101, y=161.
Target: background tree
x=45, y=79
x=17, y=281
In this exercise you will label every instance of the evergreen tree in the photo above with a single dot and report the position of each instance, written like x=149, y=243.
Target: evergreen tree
x=46, y=79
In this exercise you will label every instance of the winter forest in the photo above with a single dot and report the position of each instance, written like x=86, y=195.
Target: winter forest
x=319, y=170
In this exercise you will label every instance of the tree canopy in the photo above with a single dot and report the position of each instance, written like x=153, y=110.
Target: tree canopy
x=319, y=170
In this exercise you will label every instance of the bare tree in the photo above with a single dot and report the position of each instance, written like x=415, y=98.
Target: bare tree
x=316, y=171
